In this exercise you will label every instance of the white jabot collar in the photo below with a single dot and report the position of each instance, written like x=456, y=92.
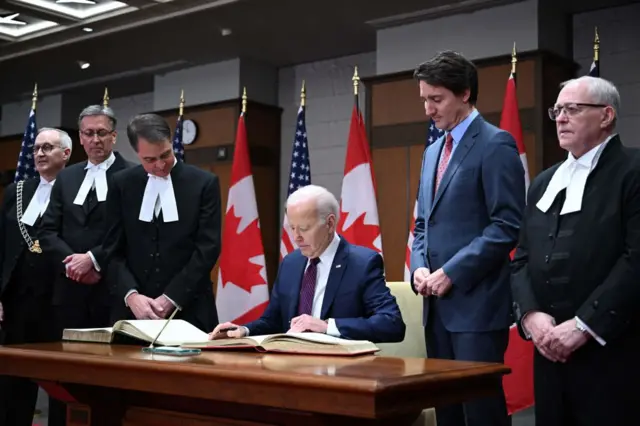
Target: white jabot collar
x=159, y=195
x=38, y=203
x=96, y=177
x=572, y=175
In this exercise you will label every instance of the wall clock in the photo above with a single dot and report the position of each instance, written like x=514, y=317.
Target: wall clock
x=189, y=132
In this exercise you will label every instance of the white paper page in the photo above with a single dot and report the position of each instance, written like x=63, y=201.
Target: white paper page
x=177, y=331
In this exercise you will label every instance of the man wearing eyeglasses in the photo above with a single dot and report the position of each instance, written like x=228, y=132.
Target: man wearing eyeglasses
x=25, y=271
x=576, y=271
x=75, y=223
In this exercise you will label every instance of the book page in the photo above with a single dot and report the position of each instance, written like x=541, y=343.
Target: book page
x=177, y=332
x=91, y=330
x=323, y=338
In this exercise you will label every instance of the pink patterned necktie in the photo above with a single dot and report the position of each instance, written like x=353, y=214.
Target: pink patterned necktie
x=308, y=287
x=444, y=161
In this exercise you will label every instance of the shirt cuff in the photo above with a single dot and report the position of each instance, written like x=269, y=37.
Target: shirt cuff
x=332, y=329
x=594, y=335
x=93, y=259
x=127, y=295
x=526, y=332
x=172, y=302
x=246, y=330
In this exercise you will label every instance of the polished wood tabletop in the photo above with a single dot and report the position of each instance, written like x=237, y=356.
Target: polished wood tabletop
x=354, y=385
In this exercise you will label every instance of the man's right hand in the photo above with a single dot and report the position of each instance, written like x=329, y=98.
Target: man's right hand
x=142, y=306
x=219, y=333
x=420, y=276
x=91, y=277
x=538, y=325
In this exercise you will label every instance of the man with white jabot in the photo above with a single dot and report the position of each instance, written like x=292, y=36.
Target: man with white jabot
x=74, y=225
x=576, y=270
x=163, y=237
x=26, y=272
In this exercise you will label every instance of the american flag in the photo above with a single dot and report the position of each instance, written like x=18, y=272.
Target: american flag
x=26, y=167
x=299, y=176
x=178, y=147
x=433, y=133
x=594, y=71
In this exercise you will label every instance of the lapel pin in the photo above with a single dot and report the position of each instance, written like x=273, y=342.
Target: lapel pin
x=338, y=266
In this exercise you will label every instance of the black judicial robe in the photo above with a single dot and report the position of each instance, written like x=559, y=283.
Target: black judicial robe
x=586, y=264
x=172, y=258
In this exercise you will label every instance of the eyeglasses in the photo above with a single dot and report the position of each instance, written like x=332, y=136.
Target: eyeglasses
x=102, y=133
x=45, y=147
x=571, y=109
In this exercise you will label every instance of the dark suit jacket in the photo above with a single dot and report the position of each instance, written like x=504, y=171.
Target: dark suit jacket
x=174, y=258
x=356, y=297
x=470, y=226
x=68, y=228
x=605, y=289
x=14, y=246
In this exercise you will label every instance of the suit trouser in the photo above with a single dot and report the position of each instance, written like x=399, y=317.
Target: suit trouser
x=597, y=386
x=87, y=315
x=481, y=347
x=27, y=319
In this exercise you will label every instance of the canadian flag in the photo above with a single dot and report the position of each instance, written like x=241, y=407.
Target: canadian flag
x=359, y=223
x=518, y=386
x=242, y=291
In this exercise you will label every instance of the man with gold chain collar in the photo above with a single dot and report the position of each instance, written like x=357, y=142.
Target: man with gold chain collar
x=26, y=273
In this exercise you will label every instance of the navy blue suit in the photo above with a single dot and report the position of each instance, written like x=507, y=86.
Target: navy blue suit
x=356, y=297
x=468, y=229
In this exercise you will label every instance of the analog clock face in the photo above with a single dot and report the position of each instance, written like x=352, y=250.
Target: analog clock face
x=189, y=131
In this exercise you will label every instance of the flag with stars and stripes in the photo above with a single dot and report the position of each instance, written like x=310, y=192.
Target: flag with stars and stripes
x=594, y=71
x=433, y=134
x=299, y=176
x=26, y=167
x=178, y=147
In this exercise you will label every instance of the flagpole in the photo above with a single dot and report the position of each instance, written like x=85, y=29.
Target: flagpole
x=34, y=98
x=303, y=95
x=244, y=100
x=356, y=84
x=181, y=108
x=596, y=47
x=105, y=98
x=514, y=59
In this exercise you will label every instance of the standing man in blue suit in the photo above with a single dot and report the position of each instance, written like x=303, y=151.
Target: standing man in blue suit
x=470, y=204
x=327, y=285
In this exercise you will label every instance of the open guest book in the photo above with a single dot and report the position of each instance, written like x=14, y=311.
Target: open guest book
x=293, y=343
x=138, y=331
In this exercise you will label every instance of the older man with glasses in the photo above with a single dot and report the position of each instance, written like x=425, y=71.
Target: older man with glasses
x=576, y=272
x=26, y=273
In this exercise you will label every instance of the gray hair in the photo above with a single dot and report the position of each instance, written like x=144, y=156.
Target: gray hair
x=601, y=91
x=326, y=202
x=65, y=139
x=93, y=110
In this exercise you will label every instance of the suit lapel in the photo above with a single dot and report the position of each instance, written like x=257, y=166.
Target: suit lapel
x=29, y=188
x=297, y=271
x=458, y=157
x=335, y=277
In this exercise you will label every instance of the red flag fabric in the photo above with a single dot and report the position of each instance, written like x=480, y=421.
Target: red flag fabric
x=242, y=291
x=359, y=223
x=518, y=385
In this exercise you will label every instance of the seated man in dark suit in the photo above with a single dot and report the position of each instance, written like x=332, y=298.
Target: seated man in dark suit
x=327, y=285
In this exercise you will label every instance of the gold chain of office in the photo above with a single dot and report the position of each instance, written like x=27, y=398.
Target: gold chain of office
x=34, y=247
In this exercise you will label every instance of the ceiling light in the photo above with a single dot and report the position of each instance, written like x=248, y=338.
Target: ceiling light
x=87, y=29
x=225, y=32
x=91, y=2
x=83, y=65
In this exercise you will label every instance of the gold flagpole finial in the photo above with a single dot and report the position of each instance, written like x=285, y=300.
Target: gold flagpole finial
x=105, y=98
x=356, y=81
x=181, y=111
x=514, y=59
x=303, y=95
x=596, y=46
x=34, y=97
x=244, y=100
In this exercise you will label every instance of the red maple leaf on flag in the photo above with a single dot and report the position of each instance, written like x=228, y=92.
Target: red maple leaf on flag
x=235, y=266
x=364, y=234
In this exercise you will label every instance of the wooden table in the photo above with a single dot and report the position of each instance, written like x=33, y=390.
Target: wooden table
x=120, y=385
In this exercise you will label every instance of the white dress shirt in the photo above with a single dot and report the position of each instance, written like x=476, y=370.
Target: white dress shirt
x=572, y=175
x=38, y=203
x=96, y=177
